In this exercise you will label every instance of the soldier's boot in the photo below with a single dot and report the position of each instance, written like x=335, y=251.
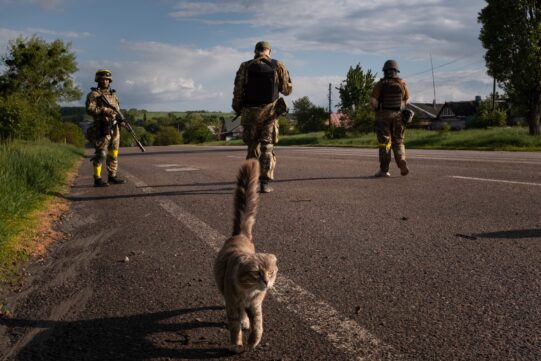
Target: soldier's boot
x=116, y=180
x=403, y=165
x=382, y=174
x=265, y=187
x=98, y=182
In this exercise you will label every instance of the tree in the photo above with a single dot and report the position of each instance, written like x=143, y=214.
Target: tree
x=37, y=76
x=355, y=90
x=40, y=70
x=511, y=34
x=310, y=118
x=168, y=136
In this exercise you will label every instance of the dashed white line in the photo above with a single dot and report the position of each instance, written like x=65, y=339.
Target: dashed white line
x=183, y=169
x=166, y=165
x=496, y=180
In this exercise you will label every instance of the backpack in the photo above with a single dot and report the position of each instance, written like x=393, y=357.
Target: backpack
x=261, y=85
x=391, y=95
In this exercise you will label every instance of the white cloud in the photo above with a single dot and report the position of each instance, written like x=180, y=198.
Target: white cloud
x=171, y=77
x=65, y=34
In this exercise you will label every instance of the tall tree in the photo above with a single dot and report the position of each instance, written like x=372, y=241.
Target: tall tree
x=355, y=90
x=310, y=118
x=37, y=76
x=511, y=34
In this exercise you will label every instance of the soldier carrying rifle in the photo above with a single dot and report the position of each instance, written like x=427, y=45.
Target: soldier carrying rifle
x=105, y=133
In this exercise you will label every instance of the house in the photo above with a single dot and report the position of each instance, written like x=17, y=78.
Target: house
x=230, y=129
x=425, y=114
x=339, y=120
x=456, y=114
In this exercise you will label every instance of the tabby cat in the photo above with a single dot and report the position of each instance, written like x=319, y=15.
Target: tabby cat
x=242, y=275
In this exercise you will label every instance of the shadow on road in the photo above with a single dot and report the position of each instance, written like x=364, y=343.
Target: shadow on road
x=519, y=233
x=138, y=337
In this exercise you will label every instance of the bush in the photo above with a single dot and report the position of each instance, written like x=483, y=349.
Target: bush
x=21, y=119
x=197, y=133
x=285, y=127
x=68, y=133
x=168, y=136
x=363, y=120
x=334, y=132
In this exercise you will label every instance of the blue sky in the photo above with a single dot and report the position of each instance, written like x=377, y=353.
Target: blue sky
x=182, y=55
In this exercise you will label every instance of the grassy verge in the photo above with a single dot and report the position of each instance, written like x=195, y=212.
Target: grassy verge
x=508, y=139
x=30, y=174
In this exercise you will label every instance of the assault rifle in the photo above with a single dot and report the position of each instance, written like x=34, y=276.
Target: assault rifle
x=120, y=118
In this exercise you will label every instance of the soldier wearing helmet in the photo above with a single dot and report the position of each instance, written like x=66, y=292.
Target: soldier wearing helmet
x=104, y=134
x=389, y=98
x=258, y=83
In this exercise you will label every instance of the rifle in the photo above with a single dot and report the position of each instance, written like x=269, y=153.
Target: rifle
x=120, y=118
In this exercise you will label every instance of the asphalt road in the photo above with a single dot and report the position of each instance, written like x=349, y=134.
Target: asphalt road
x=444, y=264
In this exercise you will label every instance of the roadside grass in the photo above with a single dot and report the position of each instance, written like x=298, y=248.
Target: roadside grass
x=30, y=175
x=503, y=139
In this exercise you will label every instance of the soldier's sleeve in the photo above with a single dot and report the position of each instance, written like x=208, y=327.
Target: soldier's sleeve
x=92, y=107
x=285, y=80
x=238, y=90
x=406, y=96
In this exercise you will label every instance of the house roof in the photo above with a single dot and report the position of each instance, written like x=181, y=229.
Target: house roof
x=459, y=109
x=340, y=120
x=425, y=110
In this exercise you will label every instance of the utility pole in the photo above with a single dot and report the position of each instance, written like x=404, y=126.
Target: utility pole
x=433, y=80
x=494, y=95
x=330, y=99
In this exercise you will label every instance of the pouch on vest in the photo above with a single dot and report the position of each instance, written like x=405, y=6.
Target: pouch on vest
x=261, y=86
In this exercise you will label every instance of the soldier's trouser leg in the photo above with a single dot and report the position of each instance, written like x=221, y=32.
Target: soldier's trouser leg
x=397, y=139
x=100, y=155
x=112, y=153
x=267, y=159
x=383, y=133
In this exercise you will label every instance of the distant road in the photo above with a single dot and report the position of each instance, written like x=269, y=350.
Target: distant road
x=444, y=264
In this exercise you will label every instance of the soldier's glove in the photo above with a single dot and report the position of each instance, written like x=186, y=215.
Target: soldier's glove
x=280, y=108
x=108, y=112
x=407, y=116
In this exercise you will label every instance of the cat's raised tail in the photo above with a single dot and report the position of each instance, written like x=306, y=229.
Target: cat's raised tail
x=246, y=198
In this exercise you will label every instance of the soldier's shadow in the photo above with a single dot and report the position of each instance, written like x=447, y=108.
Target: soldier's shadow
x=137, y=337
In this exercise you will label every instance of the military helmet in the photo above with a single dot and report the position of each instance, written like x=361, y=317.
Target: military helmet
x=103, y=74
x=391, y=65
x=262, y=45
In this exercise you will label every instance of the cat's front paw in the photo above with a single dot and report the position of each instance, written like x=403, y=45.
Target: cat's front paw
x=251, y=346
x=245, y=323
x=236, y=348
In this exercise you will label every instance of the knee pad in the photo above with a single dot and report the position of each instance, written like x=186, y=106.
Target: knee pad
x=267, y=148
x=100, y=156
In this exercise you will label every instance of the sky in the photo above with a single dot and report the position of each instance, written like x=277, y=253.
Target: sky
x=173, y=55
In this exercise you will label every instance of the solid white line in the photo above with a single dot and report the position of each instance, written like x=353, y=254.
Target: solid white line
x=343, y=333
x=496, y=180
x=166, y=165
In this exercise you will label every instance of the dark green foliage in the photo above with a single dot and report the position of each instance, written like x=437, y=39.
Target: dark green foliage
x=37, y=75
x=486, y=117
x=69, y=133
x=511, y=34
x=168, y=136
x=284, y=126
x=310, y=118
x=334, y=132
x=197, y=132
x=355, y=93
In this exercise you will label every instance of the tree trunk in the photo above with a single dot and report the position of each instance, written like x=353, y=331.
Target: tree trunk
x=533, y=115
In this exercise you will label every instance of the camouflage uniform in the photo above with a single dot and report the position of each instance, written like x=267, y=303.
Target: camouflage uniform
x=389, y=126
x=260, y=131
x=106, y=138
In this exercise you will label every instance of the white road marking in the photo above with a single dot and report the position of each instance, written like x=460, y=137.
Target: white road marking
x=425, y=157
x=496, y=180
x=343, y=333
x=183, y=169
x=235, y=156
x=166, y=165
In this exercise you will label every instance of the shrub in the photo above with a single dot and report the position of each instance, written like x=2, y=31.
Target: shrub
x=168, y=136
x=68, y=133
x=197, y=132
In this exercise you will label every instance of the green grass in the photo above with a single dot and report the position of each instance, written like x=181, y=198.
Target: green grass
x=508, y=139
x=30, y=173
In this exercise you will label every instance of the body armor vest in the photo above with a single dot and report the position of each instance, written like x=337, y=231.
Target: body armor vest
x=391, y=95
x=261, y=85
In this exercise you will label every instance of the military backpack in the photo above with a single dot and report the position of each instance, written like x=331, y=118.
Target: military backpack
x=261, y=85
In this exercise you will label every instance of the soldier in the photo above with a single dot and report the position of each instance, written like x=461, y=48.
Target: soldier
x=257, y=86
x=389, y=98
x=106, y=137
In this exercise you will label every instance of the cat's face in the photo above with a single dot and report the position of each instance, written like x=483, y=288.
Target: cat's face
x=258, y=271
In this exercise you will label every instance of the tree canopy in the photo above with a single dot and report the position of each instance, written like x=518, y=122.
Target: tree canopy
x=511, y=35
x=310, y=118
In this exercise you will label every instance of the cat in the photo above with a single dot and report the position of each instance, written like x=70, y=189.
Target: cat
x=242, y=275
